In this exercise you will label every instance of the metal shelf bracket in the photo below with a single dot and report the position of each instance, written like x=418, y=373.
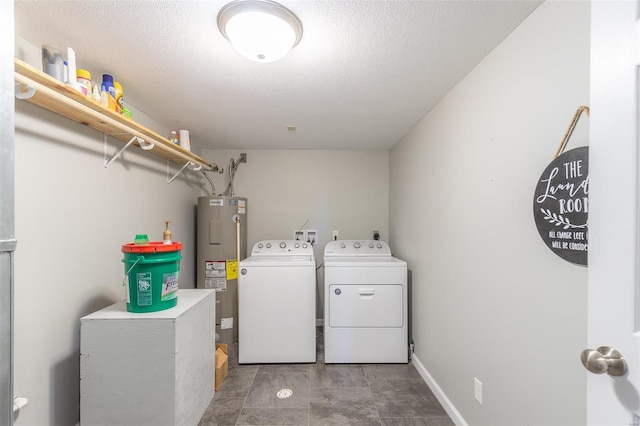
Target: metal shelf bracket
x=24, y=95
x=141, y=142
x=189, y=164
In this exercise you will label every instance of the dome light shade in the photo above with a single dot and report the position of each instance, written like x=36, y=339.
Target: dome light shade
x=260, y=30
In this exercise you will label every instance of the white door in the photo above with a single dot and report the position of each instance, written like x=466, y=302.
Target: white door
x=614, y=309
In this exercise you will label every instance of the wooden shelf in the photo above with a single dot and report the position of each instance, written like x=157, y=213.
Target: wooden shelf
x=57, y=97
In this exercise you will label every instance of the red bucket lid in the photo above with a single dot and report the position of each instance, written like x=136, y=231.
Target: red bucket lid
x=151, y=247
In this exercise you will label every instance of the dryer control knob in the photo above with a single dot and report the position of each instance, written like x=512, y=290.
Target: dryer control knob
x=304, y=245
x=268, y=245
x=260, y=245
x=356, y=244
x=343, y=245
x=296, y=245
x=283, y=244
x=370, y=245
x=379, y=245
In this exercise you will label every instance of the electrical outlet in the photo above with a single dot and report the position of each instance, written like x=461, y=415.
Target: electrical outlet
x=299, y=235
x=312, y=236
x=335, y=235
x=477, y=390
x=376, y=235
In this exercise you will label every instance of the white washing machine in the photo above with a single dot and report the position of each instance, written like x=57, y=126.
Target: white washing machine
x=365, y=304
x=277, y=303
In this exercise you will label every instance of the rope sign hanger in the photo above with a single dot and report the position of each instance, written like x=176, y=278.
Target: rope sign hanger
x=574, y=122
x=561, y=200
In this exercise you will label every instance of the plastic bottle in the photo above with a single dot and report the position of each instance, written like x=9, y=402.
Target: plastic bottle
x=107, y=84
x=84, y=80
x=104, y=97
x=141, y=239
x=166, y=235
x=173, y=138
x=118, y=97
x=96, y=94
x=71, y=69
x=185, y=140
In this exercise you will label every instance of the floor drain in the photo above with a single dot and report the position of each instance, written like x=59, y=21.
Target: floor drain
x=284, y=393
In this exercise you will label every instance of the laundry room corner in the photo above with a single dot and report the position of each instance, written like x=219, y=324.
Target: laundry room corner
x=352, y=219
x=490, y=301
x=328, y=190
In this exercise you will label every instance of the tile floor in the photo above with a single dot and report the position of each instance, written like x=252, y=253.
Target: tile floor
x=324, y=394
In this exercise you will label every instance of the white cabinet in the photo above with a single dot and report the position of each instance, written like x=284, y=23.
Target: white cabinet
x=148, y=369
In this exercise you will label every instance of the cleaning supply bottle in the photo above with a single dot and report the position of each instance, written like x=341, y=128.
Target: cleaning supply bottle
x=104, y=97
x=118, y=96
x=141, y=239
x=107, y=84
x=95, y=95
x=166, y=235
x=83, y=78
x=71, y=70
x=173, y=138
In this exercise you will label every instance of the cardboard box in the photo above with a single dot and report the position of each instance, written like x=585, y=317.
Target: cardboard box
x=222, y=364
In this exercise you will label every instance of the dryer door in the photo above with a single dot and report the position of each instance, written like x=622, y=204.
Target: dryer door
x=366, y=305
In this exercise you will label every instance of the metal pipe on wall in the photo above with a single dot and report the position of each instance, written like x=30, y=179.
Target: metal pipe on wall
x=238, y=238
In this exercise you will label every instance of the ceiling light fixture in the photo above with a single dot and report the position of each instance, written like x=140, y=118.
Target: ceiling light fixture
x=260, y=30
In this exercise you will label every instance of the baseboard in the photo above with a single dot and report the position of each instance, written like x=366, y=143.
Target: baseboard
x=455, y=415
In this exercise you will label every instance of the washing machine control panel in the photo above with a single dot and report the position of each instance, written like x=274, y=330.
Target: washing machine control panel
x=282, y=248
x=357, y=248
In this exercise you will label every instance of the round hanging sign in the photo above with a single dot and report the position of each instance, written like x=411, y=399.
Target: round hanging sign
x=561, y=205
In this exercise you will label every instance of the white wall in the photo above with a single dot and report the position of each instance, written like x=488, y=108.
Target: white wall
x=490, y=300
x=72, y=218
x=347, y=191
x=7, y=211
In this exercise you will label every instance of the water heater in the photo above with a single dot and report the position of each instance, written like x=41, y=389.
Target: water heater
x=221, y=244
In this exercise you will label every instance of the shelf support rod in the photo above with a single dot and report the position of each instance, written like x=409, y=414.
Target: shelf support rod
x=189, y=163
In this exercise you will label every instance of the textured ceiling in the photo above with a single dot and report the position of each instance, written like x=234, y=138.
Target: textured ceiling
x=363, y=74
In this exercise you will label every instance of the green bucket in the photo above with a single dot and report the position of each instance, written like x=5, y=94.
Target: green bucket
x=151, y=271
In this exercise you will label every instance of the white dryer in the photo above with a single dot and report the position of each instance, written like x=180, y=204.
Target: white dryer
x=277, y=303
x=365, y=299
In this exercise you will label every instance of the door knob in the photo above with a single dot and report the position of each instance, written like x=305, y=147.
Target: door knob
x=604, y=360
